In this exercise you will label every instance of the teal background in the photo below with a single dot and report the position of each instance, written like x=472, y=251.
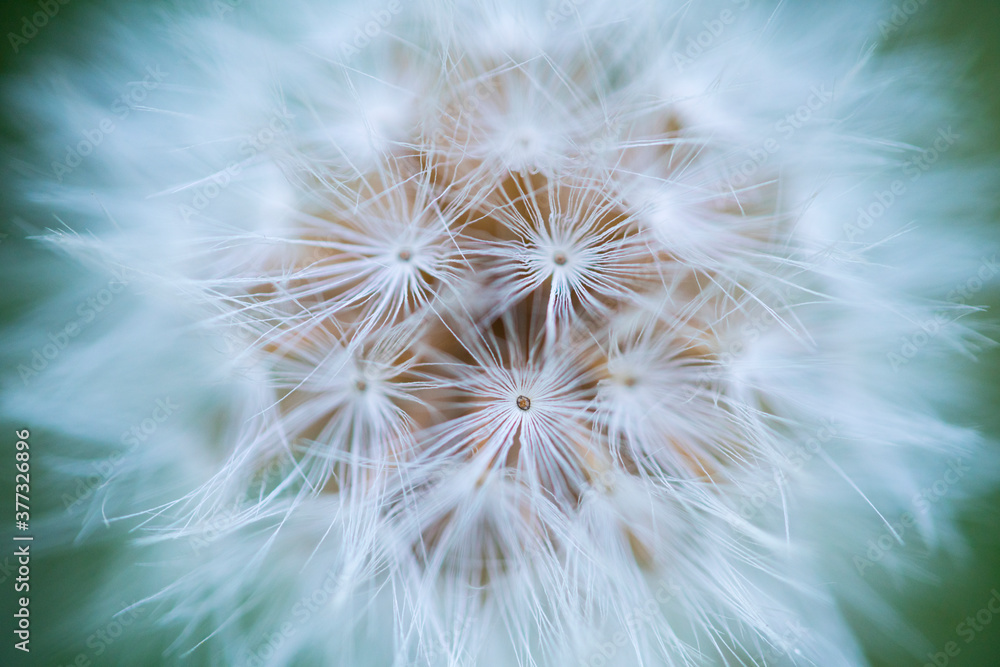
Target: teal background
x=934, y=607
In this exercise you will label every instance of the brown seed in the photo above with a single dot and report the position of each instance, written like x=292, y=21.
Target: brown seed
x=523, y=402
x=405, y=255
x=559, y=258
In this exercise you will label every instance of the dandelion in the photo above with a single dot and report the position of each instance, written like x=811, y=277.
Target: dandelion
x=543, y=346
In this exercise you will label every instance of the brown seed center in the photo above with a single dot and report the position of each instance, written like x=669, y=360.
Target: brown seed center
x=560, y=258
x=404, y=255
x=523, y=402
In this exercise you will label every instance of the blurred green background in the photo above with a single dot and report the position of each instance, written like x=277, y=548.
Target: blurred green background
x=935, y=608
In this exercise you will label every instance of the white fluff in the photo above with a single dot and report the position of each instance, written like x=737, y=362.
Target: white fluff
x=508, y=333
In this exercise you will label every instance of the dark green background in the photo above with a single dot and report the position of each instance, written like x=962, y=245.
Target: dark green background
x=965, y=26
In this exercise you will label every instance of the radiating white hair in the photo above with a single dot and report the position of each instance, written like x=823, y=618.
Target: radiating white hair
x=505, y=333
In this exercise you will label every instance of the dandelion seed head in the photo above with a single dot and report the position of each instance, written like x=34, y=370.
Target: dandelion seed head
x=539, y=333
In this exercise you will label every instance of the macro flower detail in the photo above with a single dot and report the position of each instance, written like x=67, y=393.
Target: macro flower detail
x=513, y=335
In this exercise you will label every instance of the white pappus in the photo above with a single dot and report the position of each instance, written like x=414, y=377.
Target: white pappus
x=505, y=333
